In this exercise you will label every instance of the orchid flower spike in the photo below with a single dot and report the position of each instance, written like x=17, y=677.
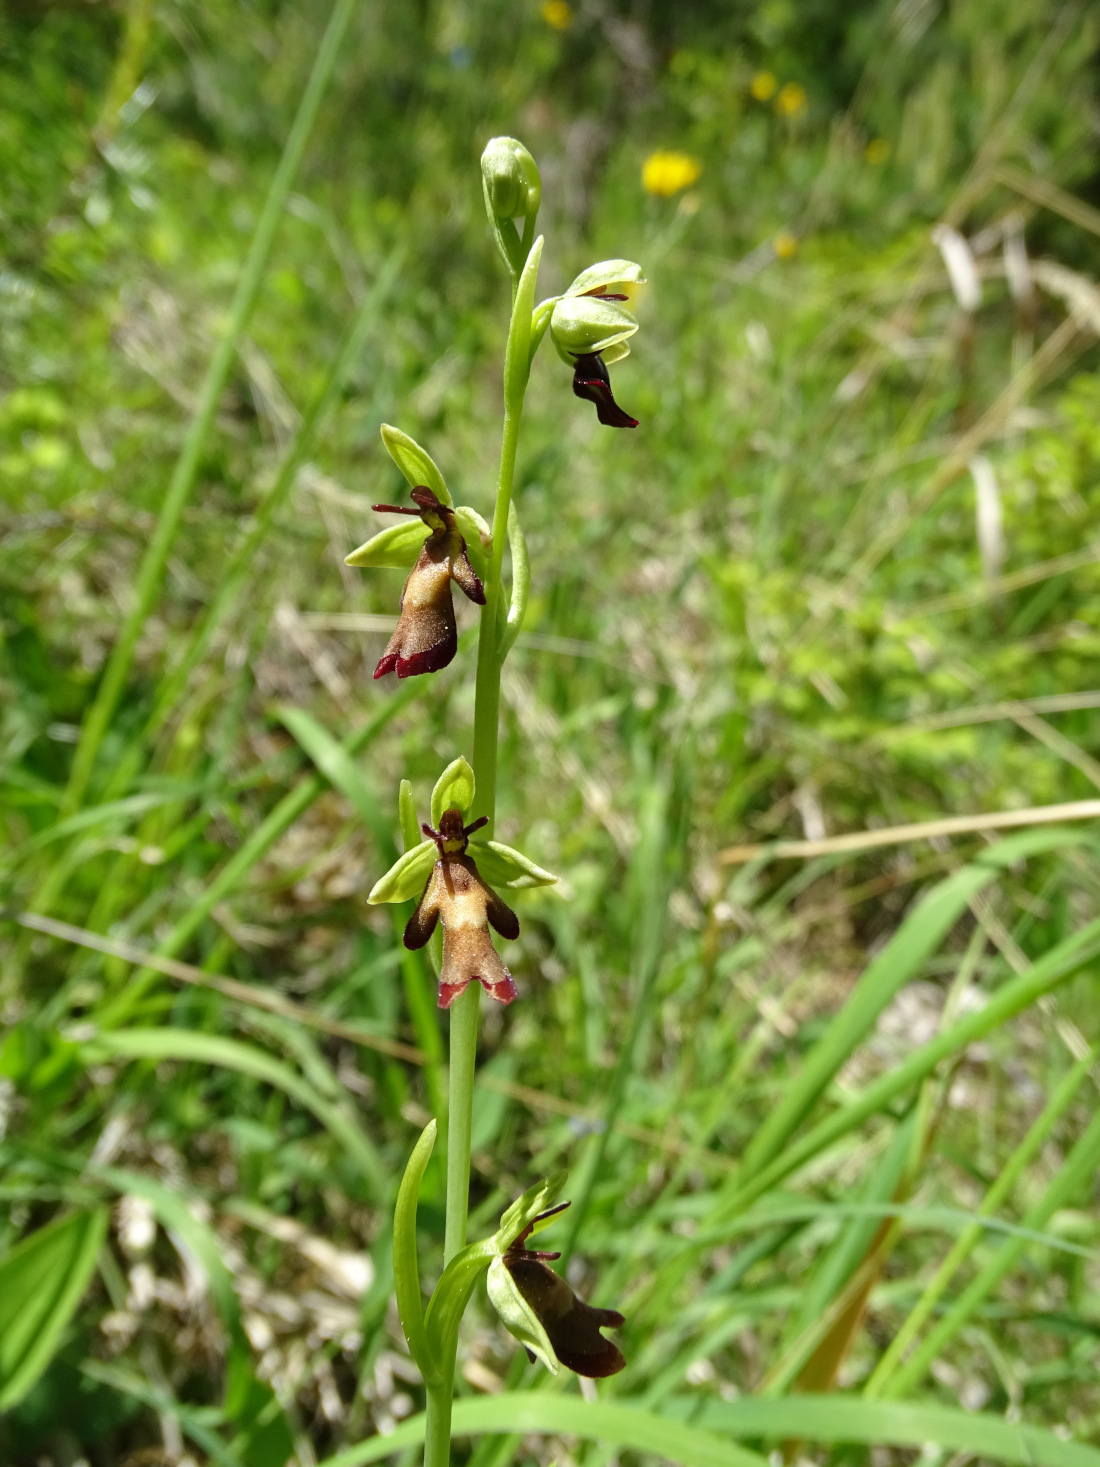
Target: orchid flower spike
x=590, y=326
x=542, y=1311
x=426, y=637
x=456, y=894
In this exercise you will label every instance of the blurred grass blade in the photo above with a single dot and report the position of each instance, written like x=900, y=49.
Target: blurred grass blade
x=231, y=1054
x=902, y=959
x=1060, y=963
x=190, y=1419
x=849, y=1420
x=264, y=1437
x=233, y=577
x=187, y=465
x=42, y=1280
x=257, y=845
x=826, y=1419
x=535, y=1411
x=336, y=764
x=968, y=1240
x=1075, y=1175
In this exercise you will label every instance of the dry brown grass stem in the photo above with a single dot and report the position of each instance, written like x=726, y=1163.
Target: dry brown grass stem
x=896, y=835
x=1049, y=196
x=989, y=713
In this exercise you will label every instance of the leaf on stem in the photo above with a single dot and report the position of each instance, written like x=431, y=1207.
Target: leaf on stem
x=406, y=1270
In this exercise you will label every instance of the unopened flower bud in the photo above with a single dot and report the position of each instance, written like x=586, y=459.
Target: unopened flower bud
x=513, y=190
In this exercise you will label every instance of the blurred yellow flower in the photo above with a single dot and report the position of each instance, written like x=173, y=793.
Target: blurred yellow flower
x=763, y=86
x=877, y=152
x=784, y=244
x=667, y=173
x=791, y=100
x=557, y=13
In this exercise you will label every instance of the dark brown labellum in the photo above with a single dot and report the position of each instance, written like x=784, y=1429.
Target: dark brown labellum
x=592, y=381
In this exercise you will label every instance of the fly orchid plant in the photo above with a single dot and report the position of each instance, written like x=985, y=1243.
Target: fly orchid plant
x=456, y=872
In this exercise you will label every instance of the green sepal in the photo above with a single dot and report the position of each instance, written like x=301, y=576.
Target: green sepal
x=479, y=538
x=406, y=877
x=415, y=463
x=581, y=325
x=454, y=789
x=393, y=549
x=502, y=866
x=540, y=320
x=406, y=1270
x=406, y=809
x=524, y=1210
x=613, y=277
x=517, y=1316
x=517, y=356
x=521, y=583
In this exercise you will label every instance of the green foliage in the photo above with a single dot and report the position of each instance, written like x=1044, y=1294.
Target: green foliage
x=764, y=614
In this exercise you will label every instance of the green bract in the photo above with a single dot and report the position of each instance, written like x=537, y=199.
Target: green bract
x=524, y=1210
x=585, y=324
x=453, y=789
x=406, y=877
x=502, y=866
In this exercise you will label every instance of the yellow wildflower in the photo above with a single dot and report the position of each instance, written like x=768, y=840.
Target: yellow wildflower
x=791, y=100
x=784, y=244
x=558, y=14
x=667, y=173
x=877, y=152
x=763, y=86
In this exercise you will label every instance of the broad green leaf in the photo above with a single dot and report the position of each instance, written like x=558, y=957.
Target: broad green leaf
x=395, y=548
x=705, y=1441
x=406, y=1269
x=406, y=877
x=500, y=865
x=418, y=466
x=454, y=788
x=42, y=1280
x=231, y=1054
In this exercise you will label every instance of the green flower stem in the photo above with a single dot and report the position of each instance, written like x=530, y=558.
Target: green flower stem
x=465, y=1012
x=437, y=1423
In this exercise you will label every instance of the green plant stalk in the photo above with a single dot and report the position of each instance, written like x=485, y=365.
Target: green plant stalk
x=465, y=1011
x=186, y=470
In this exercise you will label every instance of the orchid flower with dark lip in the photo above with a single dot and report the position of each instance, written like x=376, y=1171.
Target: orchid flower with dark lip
x=590, y=326
x=426, y=636
x=456, y=894
x=541, y=1310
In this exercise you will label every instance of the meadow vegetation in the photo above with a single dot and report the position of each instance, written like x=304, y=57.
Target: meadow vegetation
x=844, y=576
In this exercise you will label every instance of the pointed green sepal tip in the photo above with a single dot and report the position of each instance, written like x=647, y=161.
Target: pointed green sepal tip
x=406, y=877
x=415, y=462
x=454, y=789
x=393, y=549
x=502, y=866
x=524, y=1210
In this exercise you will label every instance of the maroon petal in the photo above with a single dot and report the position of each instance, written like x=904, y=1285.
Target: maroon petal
x=592, y=382
x=386, y=663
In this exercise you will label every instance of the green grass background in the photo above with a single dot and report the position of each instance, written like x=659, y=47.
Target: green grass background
x=764, y=614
